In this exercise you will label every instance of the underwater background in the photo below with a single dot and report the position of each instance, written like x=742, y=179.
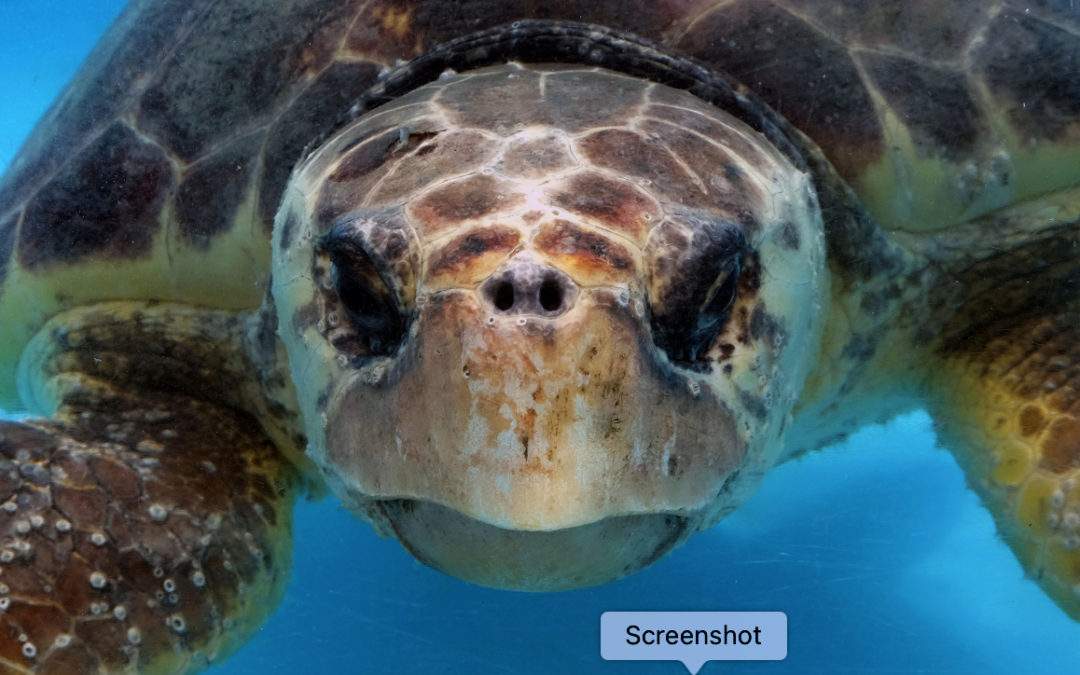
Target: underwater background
x=882, y=559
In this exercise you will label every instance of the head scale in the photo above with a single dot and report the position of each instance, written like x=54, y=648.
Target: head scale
x=546, y=320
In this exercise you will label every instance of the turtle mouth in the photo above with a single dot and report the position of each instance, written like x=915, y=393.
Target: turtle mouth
x=529, y=560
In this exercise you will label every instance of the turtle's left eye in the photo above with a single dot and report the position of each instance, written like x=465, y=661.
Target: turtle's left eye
x=364, y=292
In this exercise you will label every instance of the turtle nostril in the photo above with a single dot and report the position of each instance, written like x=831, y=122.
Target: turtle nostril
x=502, y=295
x=551, y=295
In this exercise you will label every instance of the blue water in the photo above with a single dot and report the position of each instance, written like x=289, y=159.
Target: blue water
x=882, y=559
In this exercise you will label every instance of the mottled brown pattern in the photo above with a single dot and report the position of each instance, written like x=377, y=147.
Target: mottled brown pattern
x=136, y=526
x=631, y=153
x=802, y=73
x=463, y=200
x=314, y=112
x=105, y=202
x=614, y=203
x=211, y=191
x=104, y=86
x=535, y=157
x=935, y=105
x=449, y=153
x=590, y=257
x=238, y=65
x=1033, y=70
x=461, y=254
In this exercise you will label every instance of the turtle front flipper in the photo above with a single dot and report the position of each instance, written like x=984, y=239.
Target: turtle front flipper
x=1009, y=407
x=145, y=525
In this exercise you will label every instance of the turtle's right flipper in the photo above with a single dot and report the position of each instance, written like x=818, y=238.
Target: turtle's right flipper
x=146, y=532
x=1008, y=404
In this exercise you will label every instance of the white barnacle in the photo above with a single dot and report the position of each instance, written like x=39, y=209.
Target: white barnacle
x=97, y=539
x=1057, y=499
x=158, y=513
x=22, y=526
x=1071, y=520
x=198, y=579
x=62, y=640
x=119, y=612
x=29, y=650
x=176, y=622
x=36, y=521
x=7, y=555
x=5, y=602
x=158, y=572
x=134, y=635
x=169, y=585
x=4, y=589
x=63, y=525
x=98, y=580
x=98, y=608
x=11, y=507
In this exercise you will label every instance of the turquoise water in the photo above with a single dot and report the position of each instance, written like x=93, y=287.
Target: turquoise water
x=882, y=559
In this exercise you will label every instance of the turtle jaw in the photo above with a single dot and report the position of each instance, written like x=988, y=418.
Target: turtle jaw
x=555, y=560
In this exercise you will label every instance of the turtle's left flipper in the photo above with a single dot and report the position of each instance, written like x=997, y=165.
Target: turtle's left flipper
x=1008, y=404
x=146, y=532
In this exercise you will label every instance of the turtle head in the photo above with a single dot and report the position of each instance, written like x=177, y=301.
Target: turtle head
x=544, y=321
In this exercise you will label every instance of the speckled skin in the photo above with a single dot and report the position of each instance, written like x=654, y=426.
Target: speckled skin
x=900, y=228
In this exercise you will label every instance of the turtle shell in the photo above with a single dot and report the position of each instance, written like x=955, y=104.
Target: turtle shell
x=157, y=173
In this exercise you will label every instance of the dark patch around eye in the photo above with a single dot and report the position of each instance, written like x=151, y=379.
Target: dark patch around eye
x=700, y=293
x=364, y=292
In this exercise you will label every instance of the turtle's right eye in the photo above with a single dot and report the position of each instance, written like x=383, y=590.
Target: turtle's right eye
x=695, y=277
x=365, y=294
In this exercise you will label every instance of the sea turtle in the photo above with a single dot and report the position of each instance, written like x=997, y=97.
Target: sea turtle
x=539, y=289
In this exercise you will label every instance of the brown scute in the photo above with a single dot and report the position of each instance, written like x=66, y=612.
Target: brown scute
x=236, y=65
x=670, y=105
x=1031, y=68
x=150, y=520
x=466, y=199
x=535, y=157
x=312, y=114
x=102, y=89
x=365, y=157
x=935, y=105
x=105, y=203
x=457, y=255
x=615, y=203
x=1061, y=448
x=715, y=168
x=496, y=101
x=210, y=193
x=804, y=75
x=925, y=28
x=1031, y=421
x=628, y=152
x=590, y=253
x=581, y=100
x=447, y=154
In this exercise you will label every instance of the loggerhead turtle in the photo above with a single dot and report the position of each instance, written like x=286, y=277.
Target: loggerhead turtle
x=540, y=303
